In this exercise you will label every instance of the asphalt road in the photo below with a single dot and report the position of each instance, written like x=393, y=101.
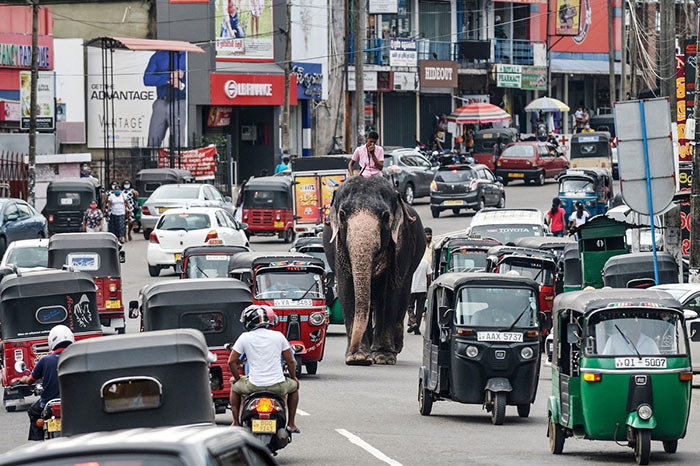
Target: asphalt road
x=369, y=415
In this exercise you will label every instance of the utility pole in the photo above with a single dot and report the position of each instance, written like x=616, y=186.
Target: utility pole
x=32, y=102
x=358, y=32
x=633, y=52
x=611, y=53
x=287, y=72
x=623, y=65
x=549, y=53
x=694, y=275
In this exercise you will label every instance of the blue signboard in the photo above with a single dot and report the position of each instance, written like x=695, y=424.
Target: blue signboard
x=309, y=80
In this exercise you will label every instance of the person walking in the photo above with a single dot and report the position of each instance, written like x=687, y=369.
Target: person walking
x=118, y=214
x=132, y=198
x=369, y=156
x=579, y=216
x=419, y=292
x=92, y=218
x=555, y=218
x=428, y=255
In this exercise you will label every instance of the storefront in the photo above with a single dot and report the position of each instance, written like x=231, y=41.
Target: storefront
x=438, y=80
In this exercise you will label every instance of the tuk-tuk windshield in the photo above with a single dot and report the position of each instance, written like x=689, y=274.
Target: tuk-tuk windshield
x=496, y=307
x=288, y=285
x=29, y=257
x=635, y=332
x=506, y=233
x=573, y=185
x=541, y=272
x=207, y=266
x=467, y=261
x=256, y=199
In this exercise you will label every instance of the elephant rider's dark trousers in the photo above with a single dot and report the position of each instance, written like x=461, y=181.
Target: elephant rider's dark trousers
x=34, y=413
x=416, y=308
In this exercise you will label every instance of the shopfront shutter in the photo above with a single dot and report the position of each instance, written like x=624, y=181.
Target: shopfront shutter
x=399, y=128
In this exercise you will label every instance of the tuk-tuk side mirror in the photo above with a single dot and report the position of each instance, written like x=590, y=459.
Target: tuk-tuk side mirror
x=133, y=309
x=122, y=257
x=572, y=335
x=445, y=316
x=227, y=199
x=695, y=331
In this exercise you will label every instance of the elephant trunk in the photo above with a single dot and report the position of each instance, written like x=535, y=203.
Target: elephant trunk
x=363, y=239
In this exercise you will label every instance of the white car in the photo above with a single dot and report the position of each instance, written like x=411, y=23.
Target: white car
x=507, y=225
x=27, y=254
x=689, y=296
x=178, y=229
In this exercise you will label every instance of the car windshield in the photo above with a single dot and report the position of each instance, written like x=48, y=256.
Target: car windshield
x=542, y=273
x=454, y=176
x=467, y=261
x=572, y=185
x=113, y=459
x=496, y=307
x=635, y=332
x=519, y=150
x=28, y=257
x=506, y=233
x=174, y=191
x=183, y=221
x=288, y=285
x=207, y=266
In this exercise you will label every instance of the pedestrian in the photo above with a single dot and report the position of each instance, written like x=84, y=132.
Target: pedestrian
x=587, y=128
x=497, y=151
x=283, y=165
x=369, y=156
x=132, y=199
x=579, y=216
x=419, y=292
x=428, y=255
x=118, y=214
x=555, y=218
x=578, y=117
x=92, y=219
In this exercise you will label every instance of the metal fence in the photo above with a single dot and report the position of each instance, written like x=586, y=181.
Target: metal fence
x=14, y=175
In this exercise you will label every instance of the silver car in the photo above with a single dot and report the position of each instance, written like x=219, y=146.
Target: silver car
x=175, y=196
x=689, y=296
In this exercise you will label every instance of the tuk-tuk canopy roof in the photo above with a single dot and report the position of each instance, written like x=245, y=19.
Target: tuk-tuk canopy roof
x=621, y=269
x=593, y=174
x=163, y=174
x=466, y=241
x=571, y=251
x=602, y=226
x=249, y=260
x=585, y=302
x=74, y=185
x=214, y=249
x=323, y=162
x=455, y=280
x=308, y=241
x=578, y=138
x=84, y=241
x=30, y=285
x=521, y=252
x=96, y=254
x=496, y=132
x=544, y=242
x=269, y=183
x=213, y=291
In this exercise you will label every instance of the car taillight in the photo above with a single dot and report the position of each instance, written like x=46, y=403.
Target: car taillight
x=473, y=184
x=211, y=235
x=145, y=211
x=264, y=405
x=50, y=218
x=433, y=186
x=153, y=238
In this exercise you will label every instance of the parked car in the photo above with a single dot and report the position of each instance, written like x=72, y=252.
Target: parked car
x=175, y=196
x=689, y=296
x=412, y=173
x=19, y=221
x=177, y=229
x=459, y=187
x=27, y=254
x=530, y=162
x=507, y=225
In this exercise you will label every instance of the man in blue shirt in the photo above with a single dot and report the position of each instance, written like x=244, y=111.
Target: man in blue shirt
x=169, y=80
x=46, y=370
x=283, y=165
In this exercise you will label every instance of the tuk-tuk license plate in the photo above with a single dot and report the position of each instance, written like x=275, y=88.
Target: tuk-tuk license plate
x=113, y=304
x=53, y=425
x=499, y=336
x=516, y=175
x=637, y=363
x=279, y=224
x=264, y=425
x=457, y=202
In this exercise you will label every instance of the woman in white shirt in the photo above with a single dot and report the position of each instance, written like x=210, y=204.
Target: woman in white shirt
x=579, y=216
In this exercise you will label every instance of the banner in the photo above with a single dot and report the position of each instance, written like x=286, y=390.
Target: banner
x=685, y=182
x=306, y=198
x=568, y=18
x=685, y=149
x=45, y=104
x=244, y=30
x=200, y=162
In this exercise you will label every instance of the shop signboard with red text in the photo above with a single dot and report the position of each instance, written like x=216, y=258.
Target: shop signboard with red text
x=251, y=89
x=200, y=162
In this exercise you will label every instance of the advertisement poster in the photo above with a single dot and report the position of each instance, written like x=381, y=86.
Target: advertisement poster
x=685, y=182
x=200, y=162
x=219, y=116
x=306, y=198
x=44, y=99
x=244, y=30
x=567, y=19
x=685, y=150
x=403, y=52
x=141, y=118
x=534, y=78
x=690, y=57
x=592, y=35
x=329, y=184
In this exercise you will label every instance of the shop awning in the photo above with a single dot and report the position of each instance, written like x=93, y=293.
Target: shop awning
x=562, y=65
x=128, y=43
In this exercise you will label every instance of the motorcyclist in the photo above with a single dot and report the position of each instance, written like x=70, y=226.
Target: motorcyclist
x=46, y=370
x=263, y=348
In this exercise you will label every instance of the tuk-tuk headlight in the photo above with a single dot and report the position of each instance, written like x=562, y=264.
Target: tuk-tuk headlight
x=472, y=351
x=317, y=318
x=644, y=412
x=527, y=352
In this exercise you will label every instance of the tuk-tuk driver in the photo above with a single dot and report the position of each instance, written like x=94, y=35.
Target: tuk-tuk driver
x=627, y=337
x=369, y=156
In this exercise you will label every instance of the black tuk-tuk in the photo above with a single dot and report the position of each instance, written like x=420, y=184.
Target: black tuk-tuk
x=461, y=253
x=152, y=379
x=100, y=256
x=212, y=306
x=569, y=268
x=552, y=244
x=481, y=343
x=67, y=201
x=208, y=260
x=636, y=270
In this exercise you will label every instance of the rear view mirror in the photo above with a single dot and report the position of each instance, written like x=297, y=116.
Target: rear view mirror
x=227, y=198
x=689, y=315
x=122, y=257
x=695, y=331
x=133, y=309
x=572, y=336
x=446, y=314
x=499, y=179
x=11, y=218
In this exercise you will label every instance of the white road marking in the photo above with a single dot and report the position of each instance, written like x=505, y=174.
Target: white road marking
x=302, y=413
x=367, y=447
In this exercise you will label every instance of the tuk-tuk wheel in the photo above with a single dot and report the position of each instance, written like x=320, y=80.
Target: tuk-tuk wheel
x=312, y=367
x=498, y=411
x=556, y=437
x=642, y=446
x=670, y=446
x=299, y=364
x=425, y=399
x=524, y=410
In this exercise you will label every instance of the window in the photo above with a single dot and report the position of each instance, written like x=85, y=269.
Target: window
x=131, y=394
x=87, y=261
x=207, y=266
x=183, y=221
x=51, y=315
x=576, y=186
x=28, y=257
x=470, y=19
x=11, y=209
x=215, y=194
x=150, y=187
x=114, y=459
x=455, y=176
x=288, y=285
x=231, y=458
x=398, y=25
x=519, y=151
x=408, y=161
x=541, y=272
x=232, y=221
x=467, y=261
x=207, y=194
x=24, y=210
x=205, y=322
x=173, y=191
x=693, y=304
x=220, y=220
x=68, y=199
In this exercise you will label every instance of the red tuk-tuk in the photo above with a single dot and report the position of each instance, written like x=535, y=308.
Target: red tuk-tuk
x=293, y=285
x=100, y=256
x=535, y=264
x=268, y=207
x=31, y=304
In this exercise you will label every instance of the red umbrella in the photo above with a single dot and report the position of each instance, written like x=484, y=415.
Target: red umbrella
x=478, y=113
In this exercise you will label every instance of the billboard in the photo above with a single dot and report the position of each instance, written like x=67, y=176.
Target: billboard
x=567, y=18
x=592, y=34
x=685, y=149
x=244, y=30
x=45, y=104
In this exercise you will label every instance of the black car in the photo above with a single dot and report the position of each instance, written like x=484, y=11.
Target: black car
x=411, y=172
x=459, y=187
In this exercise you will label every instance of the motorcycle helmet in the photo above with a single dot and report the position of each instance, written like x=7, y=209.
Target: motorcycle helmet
x=60, y=334
x=258, y=316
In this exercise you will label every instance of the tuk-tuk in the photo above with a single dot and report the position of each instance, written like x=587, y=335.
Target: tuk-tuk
x=461, y=253
x=212, y=306
x=267, y=207
x=620, y=371
x=593, y=187
x=150, y=179
x=67, y=201
x=481, y=343
x=31, y=304
x=152, y=379
x=599, y=239
x=552, y=244
x=569, y=269
x=208, y=260
x=100, y=256
x=293, y=285
x=485, y=139
x=636, y=270
x=591, y=150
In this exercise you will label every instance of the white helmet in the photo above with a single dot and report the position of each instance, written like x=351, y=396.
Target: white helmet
x=60, y=334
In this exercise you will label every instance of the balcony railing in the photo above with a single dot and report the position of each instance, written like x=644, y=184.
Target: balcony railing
x=434, y=49
x=513, y=51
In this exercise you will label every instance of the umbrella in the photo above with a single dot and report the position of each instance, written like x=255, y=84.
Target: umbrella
x=547, y=104
x=478, y=113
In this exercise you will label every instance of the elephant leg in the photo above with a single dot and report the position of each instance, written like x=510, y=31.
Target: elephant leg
x=362, y=357
x=383, y=351
x=398, y=329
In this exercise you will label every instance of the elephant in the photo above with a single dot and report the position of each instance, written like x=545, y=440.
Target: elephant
x=374, y=243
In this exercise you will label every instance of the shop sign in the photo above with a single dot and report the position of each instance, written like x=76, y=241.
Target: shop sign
x=16, y=51
x=9, y=110
x=309, y=80
x=474, y=99
x=219, y=116
x=534, y=78
x=512, y=80
x=685, y=149
x=251, y=89
x=44, y=99
x=200, y=162
x=512, y=69
x=370, y=81
x=434, y=73
x=233, y=30
x=685, y=177
x=403, y=52
x=383, y=7
x=405, y=81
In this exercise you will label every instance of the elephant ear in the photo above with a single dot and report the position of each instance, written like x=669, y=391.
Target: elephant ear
x=397, y=219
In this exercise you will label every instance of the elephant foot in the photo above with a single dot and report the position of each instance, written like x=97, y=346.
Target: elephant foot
x=384, y=358
x=358, y=359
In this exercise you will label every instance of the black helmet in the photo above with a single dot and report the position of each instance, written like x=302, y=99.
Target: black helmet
x=258, y=316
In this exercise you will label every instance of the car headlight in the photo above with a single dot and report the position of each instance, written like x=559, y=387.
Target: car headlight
x=472, y=351
x=527, y=352
x=644, y=412
x=317, y=318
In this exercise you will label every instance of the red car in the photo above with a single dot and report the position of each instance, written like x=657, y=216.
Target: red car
x=530, y=162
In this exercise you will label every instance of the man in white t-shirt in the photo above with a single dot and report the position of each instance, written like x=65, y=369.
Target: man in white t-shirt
x=263, y=349
x=419, y=291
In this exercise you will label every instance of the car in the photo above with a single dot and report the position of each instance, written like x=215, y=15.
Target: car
x=530, y=162
x=689, y=296
x=412, y=173
x=19, y=221
x=459, y=187
x=174, y=196
x=27, y=254
x=177, y=229
x=507, y=225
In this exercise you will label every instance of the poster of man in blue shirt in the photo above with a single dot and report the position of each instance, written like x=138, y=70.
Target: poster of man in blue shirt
x=170, y=106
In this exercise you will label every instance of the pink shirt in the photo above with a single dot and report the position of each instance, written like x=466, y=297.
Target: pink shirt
x=365, y=160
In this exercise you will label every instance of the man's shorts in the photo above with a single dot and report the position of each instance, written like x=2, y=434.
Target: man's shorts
x=244, y=387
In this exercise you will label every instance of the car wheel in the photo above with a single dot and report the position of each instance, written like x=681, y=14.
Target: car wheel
x=3, y=246
x=540, y=179
x=480, y=205
x=502, y=202
x=409, y=194
x=425, y=400
x=435, y=212
x=153, y=270
x=311, y=367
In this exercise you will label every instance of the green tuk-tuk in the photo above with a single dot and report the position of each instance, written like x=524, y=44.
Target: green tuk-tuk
x=599, y=239
x=461, y=253
x=620, y=369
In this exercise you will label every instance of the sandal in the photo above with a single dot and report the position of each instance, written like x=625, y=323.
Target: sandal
x=295, y=431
